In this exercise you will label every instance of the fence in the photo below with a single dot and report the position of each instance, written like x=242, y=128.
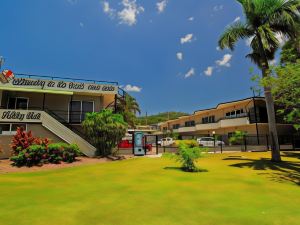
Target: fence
x=219, y=144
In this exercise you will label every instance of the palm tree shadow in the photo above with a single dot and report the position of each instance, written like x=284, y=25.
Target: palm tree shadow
x=182, y=170
x=279, y=172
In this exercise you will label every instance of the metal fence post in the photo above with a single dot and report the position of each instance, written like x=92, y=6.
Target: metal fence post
x=245, y=143
x=156, y=140
x=221, y=144
x=133, y=143
x=215, y=144
x=267, y=136
x=293, y=143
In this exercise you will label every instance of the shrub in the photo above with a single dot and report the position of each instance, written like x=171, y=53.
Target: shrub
x=21, y=140
x=105, y=130
x=189, y=143
x=30, y=151
x=55, y=153
x=187, y=156
x=33, y=155
x=237, y=137
x=63, y=152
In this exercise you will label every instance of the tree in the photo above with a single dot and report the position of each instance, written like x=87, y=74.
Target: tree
x=264, y=21
x=105, y=130
x=285, y=84
x=291, y=50
x=128, y=107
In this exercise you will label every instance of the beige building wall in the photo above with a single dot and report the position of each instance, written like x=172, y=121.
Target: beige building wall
x=227, y=125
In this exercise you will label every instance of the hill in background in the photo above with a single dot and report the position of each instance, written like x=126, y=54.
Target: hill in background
x=158, y=118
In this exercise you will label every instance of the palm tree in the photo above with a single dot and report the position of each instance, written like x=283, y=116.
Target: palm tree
x=128, y=107
x=265, y=19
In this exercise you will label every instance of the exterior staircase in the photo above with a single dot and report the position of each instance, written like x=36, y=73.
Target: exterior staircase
x=67, y=134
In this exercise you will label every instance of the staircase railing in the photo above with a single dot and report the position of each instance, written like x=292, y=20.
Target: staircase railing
x=68, y=125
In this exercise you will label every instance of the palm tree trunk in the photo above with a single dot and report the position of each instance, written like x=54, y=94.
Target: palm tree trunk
x=272, y=125
x=270, y=106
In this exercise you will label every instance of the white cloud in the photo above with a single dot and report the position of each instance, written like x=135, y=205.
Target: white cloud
x=81, y=24
x=209, y=71
x=218, y=48
x=225, y=61
x=190, y=73
x=107, y=9
x=237, y=19
x=191, y=18
x=179, y=56
x=131, y=88
x=128, y=15
x=218, y=8
x=187, y=38
x=161, y=6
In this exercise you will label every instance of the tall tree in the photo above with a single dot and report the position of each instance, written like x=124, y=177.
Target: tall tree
x=128, y=107
x=291, y=50
x=265, y=19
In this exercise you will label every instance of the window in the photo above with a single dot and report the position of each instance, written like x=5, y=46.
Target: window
x=234, y=114
x=10, y=128
x=17, y=103
x=78, y=110
x=176, y=126
x=208, y=119
x=190, y=123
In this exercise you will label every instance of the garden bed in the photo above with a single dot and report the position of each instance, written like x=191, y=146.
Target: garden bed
x=6, y=165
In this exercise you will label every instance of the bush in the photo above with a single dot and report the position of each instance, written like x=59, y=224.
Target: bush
x=63, y=152
x=33, y=155
x=189, y=143
x=105, y=130
x=237, y=137
x=21, y=140
x=187, y=156
x=30, y=151
x=40, y=154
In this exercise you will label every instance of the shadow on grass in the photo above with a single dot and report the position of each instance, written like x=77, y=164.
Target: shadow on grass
x=182, y=170
x=279, y=172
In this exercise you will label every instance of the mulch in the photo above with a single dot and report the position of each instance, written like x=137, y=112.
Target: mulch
x=6, y=164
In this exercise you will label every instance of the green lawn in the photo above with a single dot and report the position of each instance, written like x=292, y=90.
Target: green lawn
x=235, y=190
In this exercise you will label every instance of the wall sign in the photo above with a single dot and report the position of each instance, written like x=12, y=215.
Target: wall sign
x=60, y=85
x=7, y=115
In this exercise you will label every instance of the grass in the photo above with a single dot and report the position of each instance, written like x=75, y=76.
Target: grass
x=240, y=188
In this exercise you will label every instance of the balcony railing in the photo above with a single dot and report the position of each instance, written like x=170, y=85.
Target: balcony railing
x=233, y=121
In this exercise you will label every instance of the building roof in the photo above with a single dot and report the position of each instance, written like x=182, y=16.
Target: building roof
x=226, y=104
x=219, y=106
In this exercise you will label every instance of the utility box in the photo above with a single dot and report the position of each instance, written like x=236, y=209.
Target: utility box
x=138, y=146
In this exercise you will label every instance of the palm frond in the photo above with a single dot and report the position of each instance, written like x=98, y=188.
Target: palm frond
x=233, y=33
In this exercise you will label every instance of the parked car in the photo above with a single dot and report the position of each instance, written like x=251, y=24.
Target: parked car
x=166, y=141
x=128, y=144
x=209, y=142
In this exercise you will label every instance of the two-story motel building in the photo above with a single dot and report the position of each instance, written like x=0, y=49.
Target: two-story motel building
x=248, y=115
x=51, y=107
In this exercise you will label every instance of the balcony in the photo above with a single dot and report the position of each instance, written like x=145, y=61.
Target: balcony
x=186, y=129
x=224, y=123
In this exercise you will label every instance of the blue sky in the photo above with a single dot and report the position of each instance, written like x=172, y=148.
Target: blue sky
x=132, y=42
